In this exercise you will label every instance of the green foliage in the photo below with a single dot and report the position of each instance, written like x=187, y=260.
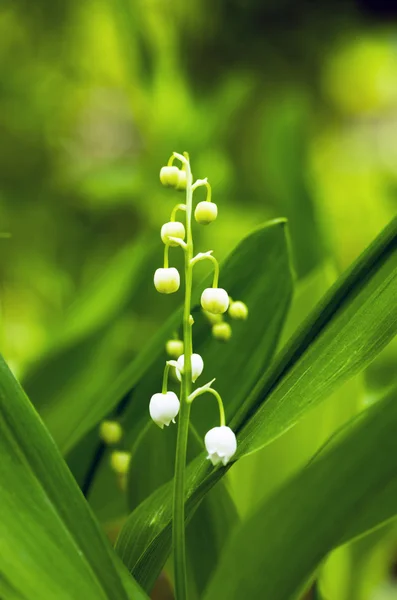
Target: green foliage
x=46, y=526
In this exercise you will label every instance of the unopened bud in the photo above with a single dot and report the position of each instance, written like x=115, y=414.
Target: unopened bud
x=167, y=280
x=238, y=310
x=215, y=300
x=212, y=318
x=120, y=461
x=174, y=348
x=182, y=180
x=173, y=229
x=222, y=331
x=205, y=212
x=110, y=432
x=169, y=176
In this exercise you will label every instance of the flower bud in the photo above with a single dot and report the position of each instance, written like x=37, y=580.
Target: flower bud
x=197, y=366
x=110, y=432
x=213, y=318
x=221, y=444
x=174, y=348
x=167, y=280
x=172, y=229
x=182, y=180
x=222, y=331
x=238, y=310
x=205, y=212
x=120, y=461
x=215, y=300
x=169, y=176
x=163, y=408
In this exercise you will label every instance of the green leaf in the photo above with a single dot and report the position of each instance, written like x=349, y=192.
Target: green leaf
x=352, y=324
x=152, y=466
x=365, y=291
x=258, y=271
x=309, y=515
x=267, y=245
x=52, y=546
x=67, y=378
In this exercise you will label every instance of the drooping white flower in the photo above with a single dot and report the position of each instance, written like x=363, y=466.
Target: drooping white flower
x=221, y=444
x=215, y=300
x=167, y=280
x=238, y=310
x=197, y=366
x=163, y=408
x=205, y=212
x=173, y=229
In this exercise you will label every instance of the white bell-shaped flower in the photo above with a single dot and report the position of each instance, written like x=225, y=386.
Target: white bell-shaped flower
x=215, y=300
x=221, y=444
x=163, y=408
x=173, y=229
x=197, y=366
x=167, y=280
x=206, y=212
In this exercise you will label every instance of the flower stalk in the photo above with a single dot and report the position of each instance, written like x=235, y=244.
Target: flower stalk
x=178, y=523
x=220, y=441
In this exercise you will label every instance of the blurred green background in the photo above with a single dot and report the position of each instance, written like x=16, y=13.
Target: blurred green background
x=289, y=108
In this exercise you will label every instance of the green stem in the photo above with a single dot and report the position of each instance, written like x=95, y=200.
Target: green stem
x=208, y=256
x=175, y=210
x=166, y=248
x=178, y=523
x=165, y=378
x=210, y=390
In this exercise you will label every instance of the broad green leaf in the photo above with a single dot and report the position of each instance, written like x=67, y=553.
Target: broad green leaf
x=348, y=309
x=152, y=466
x=354, y=571
x=85, y=352
x=267, y=245
x=51, y=546
x=310, y=514
x=352, y=324
x=258, y=272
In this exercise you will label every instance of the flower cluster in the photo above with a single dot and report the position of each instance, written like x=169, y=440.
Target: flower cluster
x=220, y=442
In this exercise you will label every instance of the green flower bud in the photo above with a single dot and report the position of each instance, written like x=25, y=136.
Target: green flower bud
x=172, y=229
x=215, y=300
x=167, y=280
x=212, y=318
x=169, y=176
x=110, y=432
x=222, y=331
x=205, y=212
x=174, y=348
x=120, y=461
x=182, y=180
x=238, y=310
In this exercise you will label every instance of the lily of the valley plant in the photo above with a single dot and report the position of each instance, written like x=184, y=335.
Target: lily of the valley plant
x=165, y=406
